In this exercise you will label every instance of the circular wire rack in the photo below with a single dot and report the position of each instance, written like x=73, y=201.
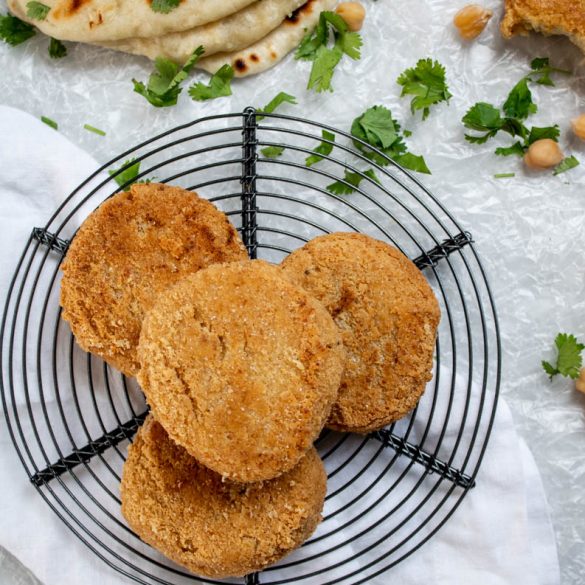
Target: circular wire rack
x=71, y=416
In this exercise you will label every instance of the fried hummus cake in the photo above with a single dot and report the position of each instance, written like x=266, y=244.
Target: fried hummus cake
x=241, y=367
x=388, y=318
x=215, y=527
x=127, y=252
x=550, y=17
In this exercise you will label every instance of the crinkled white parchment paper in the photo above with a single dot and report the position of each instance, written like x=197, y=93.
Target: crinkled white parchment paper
x=530, y=230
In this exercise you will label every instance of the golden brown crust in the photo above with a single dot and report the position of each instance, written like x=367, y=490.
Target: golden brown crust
x=215, y=527
x=241, y=367
x=388, y=316
x=550, y=17
x=129, y=250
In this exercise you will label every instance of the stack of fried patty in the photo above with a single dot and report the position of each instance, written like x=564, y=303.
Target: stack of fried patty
x=242, y=363
x=249, y=35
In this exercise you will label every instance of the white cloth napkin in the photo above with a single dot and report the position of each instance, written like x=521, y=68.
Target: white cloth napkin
x=501, y=534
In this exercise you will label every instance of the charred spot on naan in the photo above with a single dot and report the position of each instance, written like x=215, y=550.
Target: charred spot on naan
x=240, y=65
x=68, y=8
x=297, y=16
x=254, y=57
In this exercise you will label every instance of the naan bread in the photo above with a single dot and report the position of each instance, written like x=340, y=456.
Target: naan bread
x=90, y=21
x=232, y=33
x=551, y=17
x=268, y=51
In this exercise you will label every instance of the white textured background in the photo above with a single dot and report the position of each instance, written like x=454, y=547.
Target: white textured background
x=530, y=229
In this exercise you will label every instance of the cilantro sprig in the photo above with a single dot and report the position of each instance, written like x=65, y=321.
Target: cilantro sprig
x=272, y=151
x=164, y=84
x=219, y=85
x=427, y=83
x=488, y=121
x=14, y=31
x=324, y=148
x=377, y=128
x=351, y=181
x=127, y=173
x=315, y=47
x=279, y=99
x=569, y=359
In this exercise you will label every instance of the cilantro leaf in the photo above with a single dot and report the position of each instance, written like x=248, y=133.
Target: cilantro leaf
x=377, y=128
x=57, y=50
x=324, y=148
x=426, y=81
x=569, y=360
x=272, y=151
x=541, y=67
x=519, y=102
x=353, y=180
x=516, y=148
x=14, y=31
x=219, y=85
x=537, y=133
x=164, y=6
x=482, y=117
x=314, y=47
x=37, y=10
x=565, y=165
x=125, y=175
x=50, y=122
x=164, y=83
x=279, y=99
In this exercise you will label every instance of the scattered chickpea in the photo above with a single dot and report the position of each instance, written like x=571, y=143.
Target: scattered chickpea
x=353, y=13
x=471, y=20
x=543, y=154
x=579, y=126
x=580, y=381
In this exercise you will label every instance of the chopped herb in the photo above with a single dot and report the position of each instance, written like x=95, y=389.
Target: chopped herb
x=426, y=82
x=504, y=175
x=406, y=133
x=164, y=83
x=94, y=130
x=541, y=67
x=314, y=47
x=57, y=49
x=164, y=6
x=569, y=360
x=377, y=127
x=519, y=105
x=14, y=31
x=565, y=165
x=353, y=180
x=50, y=122
x=127, y=175
x=37, y=10
x=219, y=85
x=279, y=99
x=272, y=151
x=324, y=148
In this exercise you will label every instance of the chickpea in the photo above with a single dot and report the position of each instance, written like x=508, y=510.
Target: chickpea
x=471, y=20
x=543, y=154
x=353, y=13
x=578, y=125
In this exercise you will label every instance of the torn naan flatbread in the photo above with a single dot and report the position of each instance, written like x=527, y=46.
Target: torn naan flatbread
x=271, y=49
x=232, y=33
x=90, y=21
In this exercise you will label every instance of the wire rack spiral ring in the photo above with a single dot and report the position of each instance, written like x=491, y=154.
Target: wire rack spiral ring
x=71, y=416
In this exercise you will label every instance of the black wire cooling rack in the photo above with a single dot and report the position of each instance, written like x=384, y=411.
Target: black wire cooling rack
x=71, y=416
